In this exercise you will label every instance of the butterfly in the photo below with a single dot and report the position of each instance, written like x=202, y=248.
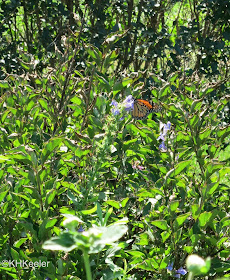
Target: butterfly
x=142, y=108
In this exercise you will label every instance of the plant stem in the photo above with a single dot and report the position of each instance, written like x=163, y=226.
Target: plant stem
x=190, y=276
x=87, y=265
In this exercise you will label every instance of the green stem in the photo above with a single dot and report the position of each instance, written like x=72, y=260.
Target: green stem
x=190, y=276
x=87, y=265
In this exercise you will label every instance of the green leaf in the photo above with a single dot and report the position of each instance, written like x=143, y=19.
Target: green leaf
x=3, y=194
x=107, y=215
x=64, y=242
x=90, y=211
x=50, y=223
x=109, y=59
x=94, y=52
x=50, y=147
x=50, y=197
x=204, y=135
x=165, y=235
x=196, y=105
x=181, y=166
x=113, y=203
x=4, y=84
x=19, y=242
x=164, y=91
x=117, y=88
x=127, y=81
x=124, y=201
x=222, y=133
x=76, y=100
x=162, y=224
x=181, y=219
x=149, y=265
x=204, y=218
x=43, y=104
x=103, y=81
x=3, y=158
x=14, y=254
x=174, y=205
x=195, y=211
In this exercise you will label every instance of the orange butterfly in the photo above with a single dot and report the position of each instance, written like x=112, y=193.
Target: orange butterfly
x=142, y=108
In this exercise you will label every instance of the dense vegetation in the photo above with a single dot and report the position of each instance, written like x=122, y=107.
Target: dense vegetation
x=97, y=194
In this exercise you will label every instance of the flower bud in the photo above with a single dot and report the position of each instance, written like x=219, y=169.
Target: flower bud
x=197, y=265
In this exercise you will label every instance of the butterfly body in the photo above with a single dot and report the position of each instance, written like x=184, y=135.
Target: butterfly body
x=142, y=108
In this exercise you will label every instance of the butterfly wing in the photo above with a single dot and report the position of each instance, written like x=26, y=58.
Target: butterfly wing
x=142, y=108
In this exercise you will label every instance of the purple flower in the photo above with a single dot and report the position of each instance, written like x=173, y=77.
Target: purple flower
x=137, y=166
x=178, y=272
x=167, y=126
x=162, y=146
x=162, y=137
x=115, y=111
x=170, y=266
x=80, y=229
x=129, y=98
x=114, y=103
x=119, y=108
x=140, y=167
x=181, y=271
x=128, y=103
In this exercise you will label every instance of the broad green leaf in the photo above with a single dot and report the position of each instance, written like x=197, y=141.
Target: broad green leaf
x=50, y=223
x=127, y=81
x=3, y=194
x=117, y=88
x=204, y=135
x=165, y=235
x=195, y=211
x=19, y=242
x=64, y=242
x=174, y=205
x=136, y=254
x=44, y=104
x=149, y=265
x=109, y=59
x=50, y=148
x=162, y=224
x=4, y=158
x=76, y=100
x=181, y=219
x=50, y=197
x=4, y=84
x=164, y=91
x=196, y=105
x=14, y=254
x=204, y=218
x=95, y=53
x=222, y=133
x=90, y=211
x=124, y=201
x=181, y=166
x=113, y=203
